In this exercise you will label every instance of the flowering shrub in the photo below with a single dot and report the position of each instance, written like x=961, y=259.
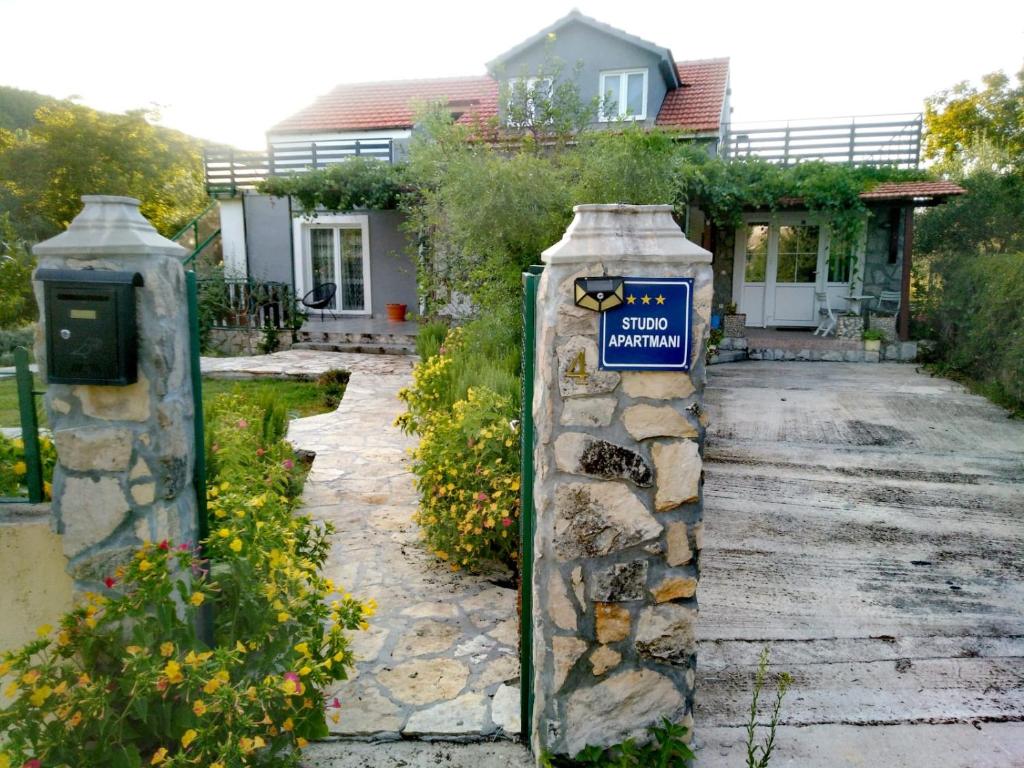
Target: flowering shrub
x=125, y=680
x=466, y=464
x=13, y=469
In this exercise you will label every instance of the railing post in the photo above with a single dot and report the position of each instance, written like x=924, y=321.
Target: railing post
x=312, y=149
x=785, y=152
x=853, y=139
x=29, y=426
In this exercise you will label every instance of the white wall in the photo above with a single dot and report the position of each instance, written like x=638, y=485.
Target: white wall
x=232, y=236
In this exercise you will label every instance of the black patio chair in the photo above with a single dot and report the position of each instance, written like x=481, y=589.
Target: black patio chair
x=320, y=298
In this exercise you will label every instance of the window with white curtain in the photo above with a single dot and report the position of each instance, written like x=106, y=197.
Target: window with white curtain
x=624, y=94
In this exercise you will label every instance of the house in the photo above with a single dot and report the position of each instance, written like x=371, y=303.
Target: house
x=365, y=253
x=775, y=267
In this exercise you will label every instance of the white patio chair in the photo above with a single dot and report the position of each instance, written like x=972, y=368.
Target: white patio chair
x=827, y=314
x=888, y=303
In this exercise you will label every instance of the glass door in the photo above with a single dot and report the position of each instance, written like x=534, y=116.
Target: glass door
x=796, y=273
x=353, y=282
x=322, y=262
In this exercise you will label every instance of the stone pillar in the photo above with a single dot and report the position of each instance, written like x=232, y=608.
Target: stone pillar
x=125, y=454
x=617, y=495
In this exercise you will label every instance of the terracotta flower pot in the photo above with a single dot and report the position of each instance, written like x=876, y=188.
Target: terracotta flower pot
x=396, y=313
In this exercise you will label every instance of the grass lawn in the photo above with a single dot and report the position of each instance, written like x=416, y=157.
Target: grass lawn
x=300, y=398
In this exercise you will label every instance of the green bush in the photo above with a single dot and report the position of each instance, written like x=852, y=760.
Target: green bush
x=463, y=404
x=14, y=471
x=430, y=338
x=126, y=681
x=332, y=385
x=972, y=307
x=11, y=339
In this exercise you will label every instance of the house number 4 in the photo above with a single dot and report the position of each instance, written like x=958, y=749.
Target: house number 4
x=577, y=368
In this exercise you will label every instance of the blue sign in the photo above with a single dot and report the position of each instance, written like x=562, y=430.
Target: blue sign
x=650, y=330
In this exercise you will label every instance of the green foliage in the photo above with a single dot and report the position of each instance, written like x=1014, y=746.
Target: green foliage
x=11, y=339
x=126, y=681
x=988, y=219
x=356, y=183
x=332, y=385
x=462, y=404
x=967, y=128
x=14, y=471
x=758, y=755
x=72, y=151
x=873, y=334
x=18, y=107
x=971, y=307
x=430, y=338
x=17, y=302
x=667, y=747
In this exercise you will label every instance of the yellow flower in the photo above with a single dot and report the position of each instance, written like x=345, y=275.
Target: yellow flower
x=145, y=565
x=173, y=672
x=11, y=690
x=43, y=630
x=40, y=695
x=166, y=649
x=199, y=708
x=236, y=545
x=224, y=533
x=30, y=677
x=75, y=720
x=303, y=743
x=282, y=617
x=239, y=647
x=304, y=671
x=133, y=650
x=5, y=667
x=189, y=736
x=287, y=725
x=159, y=756
x=197, y=598
x=217, y=764
x=20, y=468
x=303, y=648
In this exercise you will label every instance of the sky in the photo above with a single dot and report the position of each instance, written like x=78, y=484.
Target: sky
x=225, y=70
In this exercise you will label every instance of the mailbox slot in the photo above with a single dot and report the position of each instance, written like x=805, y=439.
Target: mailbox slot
x=91, y=335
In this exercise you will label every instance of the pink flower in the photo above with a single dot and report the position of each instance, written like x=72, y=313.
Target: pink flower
x=481, y=496
x=163, y=546
x=33, y=763
x=288, y=464
x=110, y=581
x=336, y=704
x=184, y=547
x=260, y=452
x=242, y=423
x=506, y=521
x=214, y=448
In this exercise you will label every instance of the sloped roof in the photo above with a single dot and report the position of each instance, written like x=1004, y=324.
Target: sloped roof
x=697, y=104
x=391, y=104
x=574, y=16
x=913, y=190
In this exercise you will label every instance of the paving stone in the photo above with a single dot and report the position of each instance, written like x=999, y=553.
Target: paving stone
x=424, y=681
x=507, y=632
x=503, y=669
x=365, y=712
x=506, y=711
x=426, y=637
x=464, y=715
x=476, y=648
x=366, y=644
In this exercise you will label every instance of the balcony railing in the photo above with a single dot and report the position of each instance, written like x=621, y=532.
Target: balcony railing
x=875, y=140
x=230, y=170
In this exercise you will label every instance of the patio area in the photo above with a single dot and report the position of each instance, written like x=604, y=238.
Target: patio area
x=373, y=335
x=801, y=344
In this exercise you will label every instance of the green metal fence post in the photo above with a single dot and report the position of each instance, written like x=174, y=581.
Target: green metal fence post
x=197, y=404
x=29, y=426
x=526, y=522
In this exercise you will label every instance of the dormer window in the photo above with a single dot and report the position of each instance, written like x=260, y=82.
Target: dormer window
x=624, y=95
x=528, y=101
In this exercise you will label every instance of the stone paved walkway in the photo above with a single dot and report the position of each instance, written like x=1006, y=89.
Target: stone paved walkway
x=440, y=658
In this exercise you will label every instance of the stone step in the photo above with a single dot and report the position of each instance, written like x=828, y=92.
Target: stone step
x=417, y=754
x=369, y=348
x=336, y=337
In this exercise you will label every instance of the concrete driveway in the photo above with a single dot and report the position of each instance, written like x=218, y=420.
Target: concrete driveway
x=866, y=522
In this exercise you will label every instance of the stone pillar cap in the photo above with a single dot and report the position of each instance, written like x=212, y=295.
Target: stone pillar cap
x=109, y=225
x=645, y=234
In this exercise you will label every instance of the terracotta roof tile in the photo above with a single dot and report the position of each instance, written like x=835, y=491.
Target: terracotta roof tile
x=697, y=106
x=391, y=104
x=904, y=190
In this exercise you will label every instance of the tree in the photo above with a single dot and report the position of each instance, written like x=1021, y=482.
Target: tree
x=73, y=150
x=17, y=304
x=968, y=128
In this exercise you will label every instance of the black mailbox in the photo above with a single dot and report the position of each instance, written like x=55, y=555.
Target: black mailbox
x=91, y=336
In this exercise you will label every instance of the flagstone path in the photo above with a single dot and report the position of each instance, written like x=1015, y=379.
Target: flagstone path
x=440, y=658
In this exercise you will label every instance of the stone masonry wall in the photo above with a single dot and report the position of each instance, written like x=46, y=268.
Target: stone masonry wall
x=618, y=498
x=125, y=453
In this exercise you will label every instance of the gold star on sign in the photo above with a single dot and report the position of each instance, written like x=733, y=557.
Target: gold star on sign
x=646, y=299
x=660, y=299
x=631, y=299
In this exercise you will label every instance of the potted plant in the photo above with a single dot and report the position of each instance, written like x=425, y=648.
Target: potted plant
x=735, y=323
x=396, y=313
x=873, y=338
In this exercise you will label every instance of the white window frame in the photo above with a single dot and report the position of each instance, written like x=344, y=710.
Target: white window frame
x=621, y=106
x=301, y=227
x=530, y=83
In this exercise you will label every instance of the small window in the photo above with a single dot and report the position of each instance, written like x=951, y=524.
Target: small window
x=528, y=101
x=624, y=95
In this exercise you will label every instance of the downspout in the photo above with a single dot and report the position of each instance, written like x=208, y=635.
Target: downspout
x=908, y=250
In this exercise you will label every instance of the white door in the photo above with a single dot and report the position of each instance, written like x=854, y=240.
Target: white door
x=776, y=268
x=796, y=259
x=335, y=249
